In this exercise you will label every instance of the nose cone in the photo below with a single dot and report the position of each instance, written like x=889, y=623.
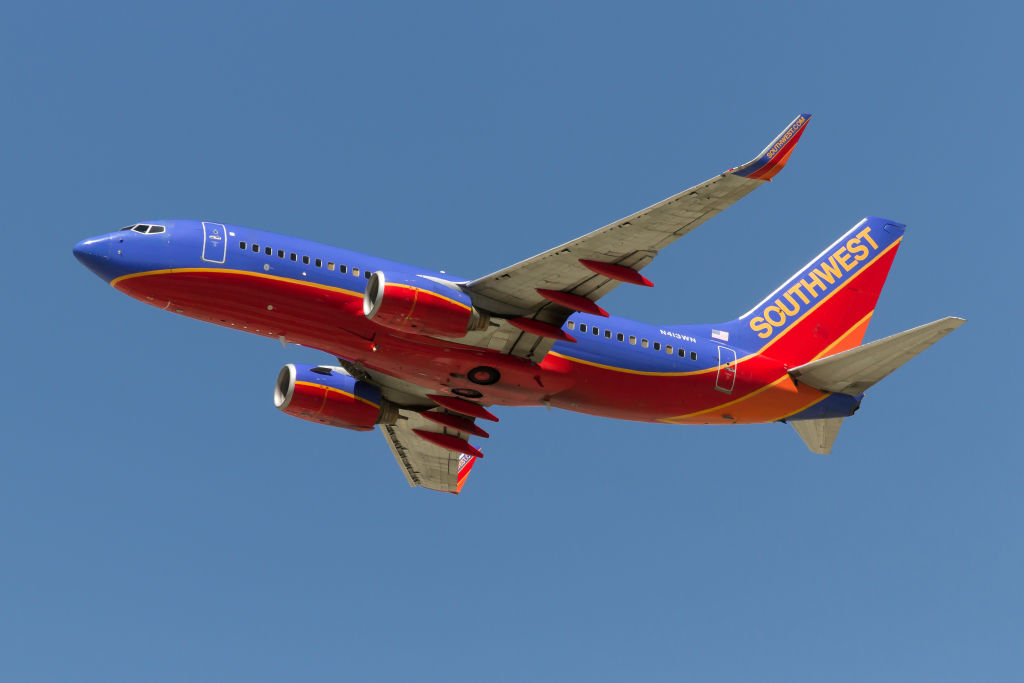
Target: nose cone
x=94, y=254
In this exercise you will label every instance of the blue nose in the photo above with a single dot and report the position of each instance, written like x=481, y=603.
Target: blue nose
x=94, y=254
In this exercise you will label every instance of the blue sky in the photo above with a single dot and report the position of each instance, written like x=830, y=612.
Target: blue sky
x=161, y=521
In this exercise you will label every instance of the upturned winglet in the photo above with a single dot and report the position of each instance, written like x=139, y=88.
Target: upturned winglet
x=774, y=157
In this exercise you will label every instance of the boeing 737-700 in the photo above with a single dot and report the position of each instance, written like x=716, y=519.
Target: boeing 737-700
x=423, y=355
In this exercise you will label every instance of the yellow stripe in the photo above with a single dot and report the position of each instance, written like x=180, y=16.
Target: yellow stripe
x=844, y=335
x=833, y=292
x=781, y=379
x=728, y=403
x=420, y=290
x=267, y=276
x=615, y=368
x=279, y=278
x=337, y=391
x=750, y=355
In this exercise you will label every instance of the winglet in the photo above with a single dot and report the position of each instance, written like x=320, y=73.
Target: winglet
x=774, y=157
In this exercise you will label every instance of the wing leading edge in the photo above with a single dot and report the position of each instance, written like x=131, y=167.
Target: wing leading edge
x=625, y=246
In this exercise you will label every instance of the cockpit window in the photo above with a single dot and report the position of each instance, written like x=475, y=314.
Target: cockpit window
x=143, y=229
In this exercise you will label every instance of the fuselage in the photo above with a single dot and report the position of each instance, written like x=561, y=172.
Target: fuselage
x=311, y=294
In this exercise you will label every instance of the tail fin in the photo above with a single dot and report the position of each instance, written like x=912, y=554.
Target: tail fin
x=825, y=307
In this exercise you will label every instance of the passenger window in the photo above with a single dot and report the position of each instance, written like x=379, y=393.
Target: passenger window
x=367, y=274
x=330, y=265
x=305, y=259
x=293, y=256
x=657, y=346
x=632, y=339
x=619, y=336
x=682, y=353
x=342, y=268
x=241, y=245
x=644, y=343
x=693, y=355
x=256, y=248
x=607, y=334
x=572, y=325
x=595, y=331
x=280, y=253
x=583, y=327
x=319, y=263
x=668, y=349
x=355, y=271
x=268, y=251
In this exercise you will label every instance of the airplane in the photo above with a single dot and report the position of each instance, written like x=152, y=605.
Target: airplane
x=422, y=355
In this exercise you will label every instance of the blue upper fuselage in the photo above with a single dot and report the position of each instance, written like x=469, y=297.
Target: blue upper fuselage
x=186, y=244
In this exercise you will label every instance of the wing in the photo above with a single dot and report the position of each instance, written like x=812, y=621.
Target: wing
x=538, y=294
x=432, y=449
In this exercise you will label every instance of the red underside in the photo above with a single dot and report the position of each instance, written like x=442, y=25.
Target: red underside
x=317, y=403
x=333, y=322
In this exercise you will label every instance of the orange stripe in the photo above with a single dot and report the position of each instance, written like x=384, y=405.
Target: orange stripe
x=860, y=325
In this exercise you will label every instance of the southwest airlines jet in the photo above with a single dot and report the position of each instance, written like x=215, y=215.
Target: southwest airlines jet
x=423, y=354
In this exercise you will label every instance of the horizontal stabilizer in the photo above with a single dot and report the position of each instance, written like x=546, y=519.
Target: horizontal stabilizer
x=853, y=371
x=819, y=435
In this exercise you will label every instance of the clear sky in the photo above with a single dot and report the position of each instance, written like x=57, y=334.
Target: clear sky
x=160, y=521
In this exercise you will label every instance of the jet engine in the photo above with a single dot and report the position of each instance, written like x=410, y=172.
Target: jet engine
x=410, y=303
x=331, y=396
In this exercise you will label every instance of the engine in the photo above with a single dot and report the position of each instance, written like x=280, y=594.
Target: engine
x=331, y=396
x=410, y=303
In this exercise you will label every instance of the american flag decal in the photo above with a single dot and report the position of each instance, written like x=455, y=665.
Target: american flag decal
x=720, y=335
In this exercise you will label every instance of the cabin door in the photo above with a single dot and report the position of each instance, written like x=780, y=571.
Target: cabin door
x=215, y=242
x=726, y=378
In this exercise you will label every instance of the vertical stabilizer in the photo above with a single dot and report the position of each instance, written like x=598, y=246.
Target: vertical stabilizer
x=825, y=307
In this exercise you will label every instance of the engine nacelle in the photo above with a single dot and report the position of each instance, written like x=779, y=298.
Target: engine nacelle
x=410, y=303
x=330, y=396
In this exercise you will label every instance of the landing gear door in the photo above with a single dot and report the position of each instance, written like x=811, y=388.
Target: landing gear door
x=215, y=243
x=726, y=378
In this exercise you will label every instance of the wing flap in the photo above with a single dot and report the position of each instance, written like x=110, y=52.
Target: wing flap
x=857, y=369
x=423, y=462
